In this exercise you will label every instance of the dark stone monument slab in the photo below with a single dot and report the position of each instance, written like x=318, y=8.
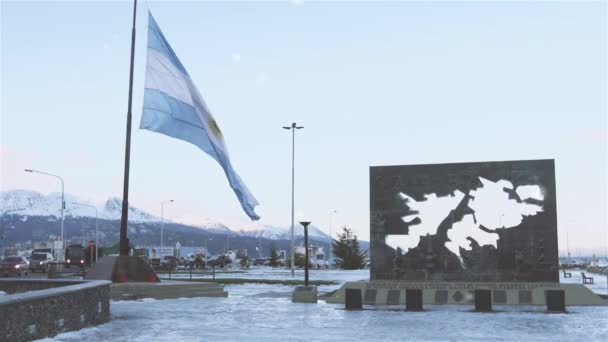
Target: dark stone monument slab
x=525, y=297
x=370, y=297
x=471, y=241
x=556, y=300
x=483, y=300
x=393, y=297
x=413, y=300
x=352, y=299
x=499, y=296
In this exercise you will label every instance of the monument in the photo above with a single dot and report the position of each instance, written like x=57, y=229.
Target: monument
x=490, y=221
x=450, y=232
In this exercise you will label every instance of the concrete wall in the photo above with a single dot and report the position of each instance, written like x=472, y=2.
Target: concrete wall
x=35, y=309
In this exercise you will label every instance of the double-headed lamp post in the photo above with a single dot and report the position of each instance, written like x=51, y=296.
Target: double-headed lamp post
x=162, y=222
x=331, y=239
x=62, y=207
x=293, y=128
x=96, y=227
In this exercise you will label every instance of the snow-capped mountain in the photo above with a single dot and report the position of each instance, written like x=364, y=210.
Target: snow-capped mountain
x=25, y=203
x=31, y=203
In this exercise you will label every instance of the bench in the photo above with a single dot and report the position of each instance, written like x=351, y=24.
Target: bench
x=587, y=280
x=567, y=274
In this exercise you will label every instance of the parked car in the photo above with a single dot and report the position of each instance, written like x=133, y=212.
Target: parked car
x=259, y=261
x=220, y=261
x=169, y=262
x=14, y=265
x=74, y=255
x=40, y=261
x=155, y=263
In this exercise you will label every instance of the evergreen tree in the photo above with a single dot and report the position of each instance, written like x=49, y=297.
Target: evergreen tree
x=346, y=249
x=274, y=256
x=300, y=260
x=245, y=262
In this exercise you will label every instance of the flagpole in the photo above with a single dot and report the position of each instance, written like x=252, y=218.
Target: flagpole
x=124, y=218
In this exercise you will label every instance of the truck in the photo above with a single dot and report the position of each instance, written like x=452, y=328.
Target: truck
x=74, y=255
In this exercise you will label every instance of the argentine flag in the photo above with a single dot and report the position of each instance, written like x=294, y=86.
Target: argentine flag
x=174, y=107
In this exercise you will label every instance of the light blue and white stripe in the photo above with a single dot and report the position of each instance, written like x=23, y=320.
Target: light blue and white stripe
x=173, y=106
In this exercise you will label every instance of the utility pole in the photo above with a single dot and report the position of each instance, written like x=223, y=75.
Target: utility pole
x=331, y=239
x=162, y=223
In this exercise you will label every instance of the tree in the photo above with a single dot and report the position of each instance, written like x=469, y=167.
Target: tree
x=300, y=260
x=346, y=249
x=245, y=262
x=274, y=256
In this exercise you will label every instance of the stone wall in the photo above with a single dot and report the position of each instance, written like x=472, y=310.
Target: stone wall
x=50, y=307
x=17, y=286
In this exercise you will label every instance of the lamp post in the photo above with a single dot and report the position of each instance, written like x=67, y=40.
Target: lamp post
x=305, y=224
x=96, y=227
x=62, y=252
x=331, y=239
x=206, y=250
x=293, y=128
x=162, y=224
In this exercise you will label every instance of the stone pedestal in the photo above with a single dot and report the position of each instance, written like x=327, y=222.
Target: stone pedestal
x=304, y=294
x=122, y=269
x=352, y=299
x=133, y=269
x=483, y=300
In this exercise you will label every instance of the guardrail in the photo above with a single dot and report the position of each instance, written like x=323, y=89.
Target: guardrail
x=189, y=271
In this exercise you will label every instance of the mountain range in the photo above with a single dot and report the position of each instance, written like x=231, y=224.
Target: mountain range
x=29, y=216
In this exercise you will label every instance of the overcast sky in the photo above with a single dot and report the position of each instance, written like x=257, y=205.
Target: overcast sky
x=372, y=83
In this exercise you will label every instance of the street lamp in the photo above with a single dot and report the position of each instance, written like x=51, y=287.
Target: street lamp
x=331, y=239
x=293, y=128
x=96, y=227
x=162, y=224
x=62, y=206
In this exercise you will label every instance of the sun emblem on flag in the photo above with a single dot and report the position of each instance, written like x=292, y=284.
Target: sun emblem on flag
x=214, y=127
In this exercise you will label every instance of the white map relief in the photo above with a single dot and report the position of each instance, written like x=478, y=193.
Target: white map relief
x=493, y=209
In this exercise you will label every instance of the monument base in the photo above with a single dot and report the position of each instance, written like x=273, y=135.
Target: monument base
x=462, y=293
x=122, y=269
x=304, y=294
x=133, y=269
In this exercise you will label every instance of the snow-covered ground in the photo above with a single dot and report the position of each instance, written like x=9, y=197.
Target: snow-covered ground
x=258, y=312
